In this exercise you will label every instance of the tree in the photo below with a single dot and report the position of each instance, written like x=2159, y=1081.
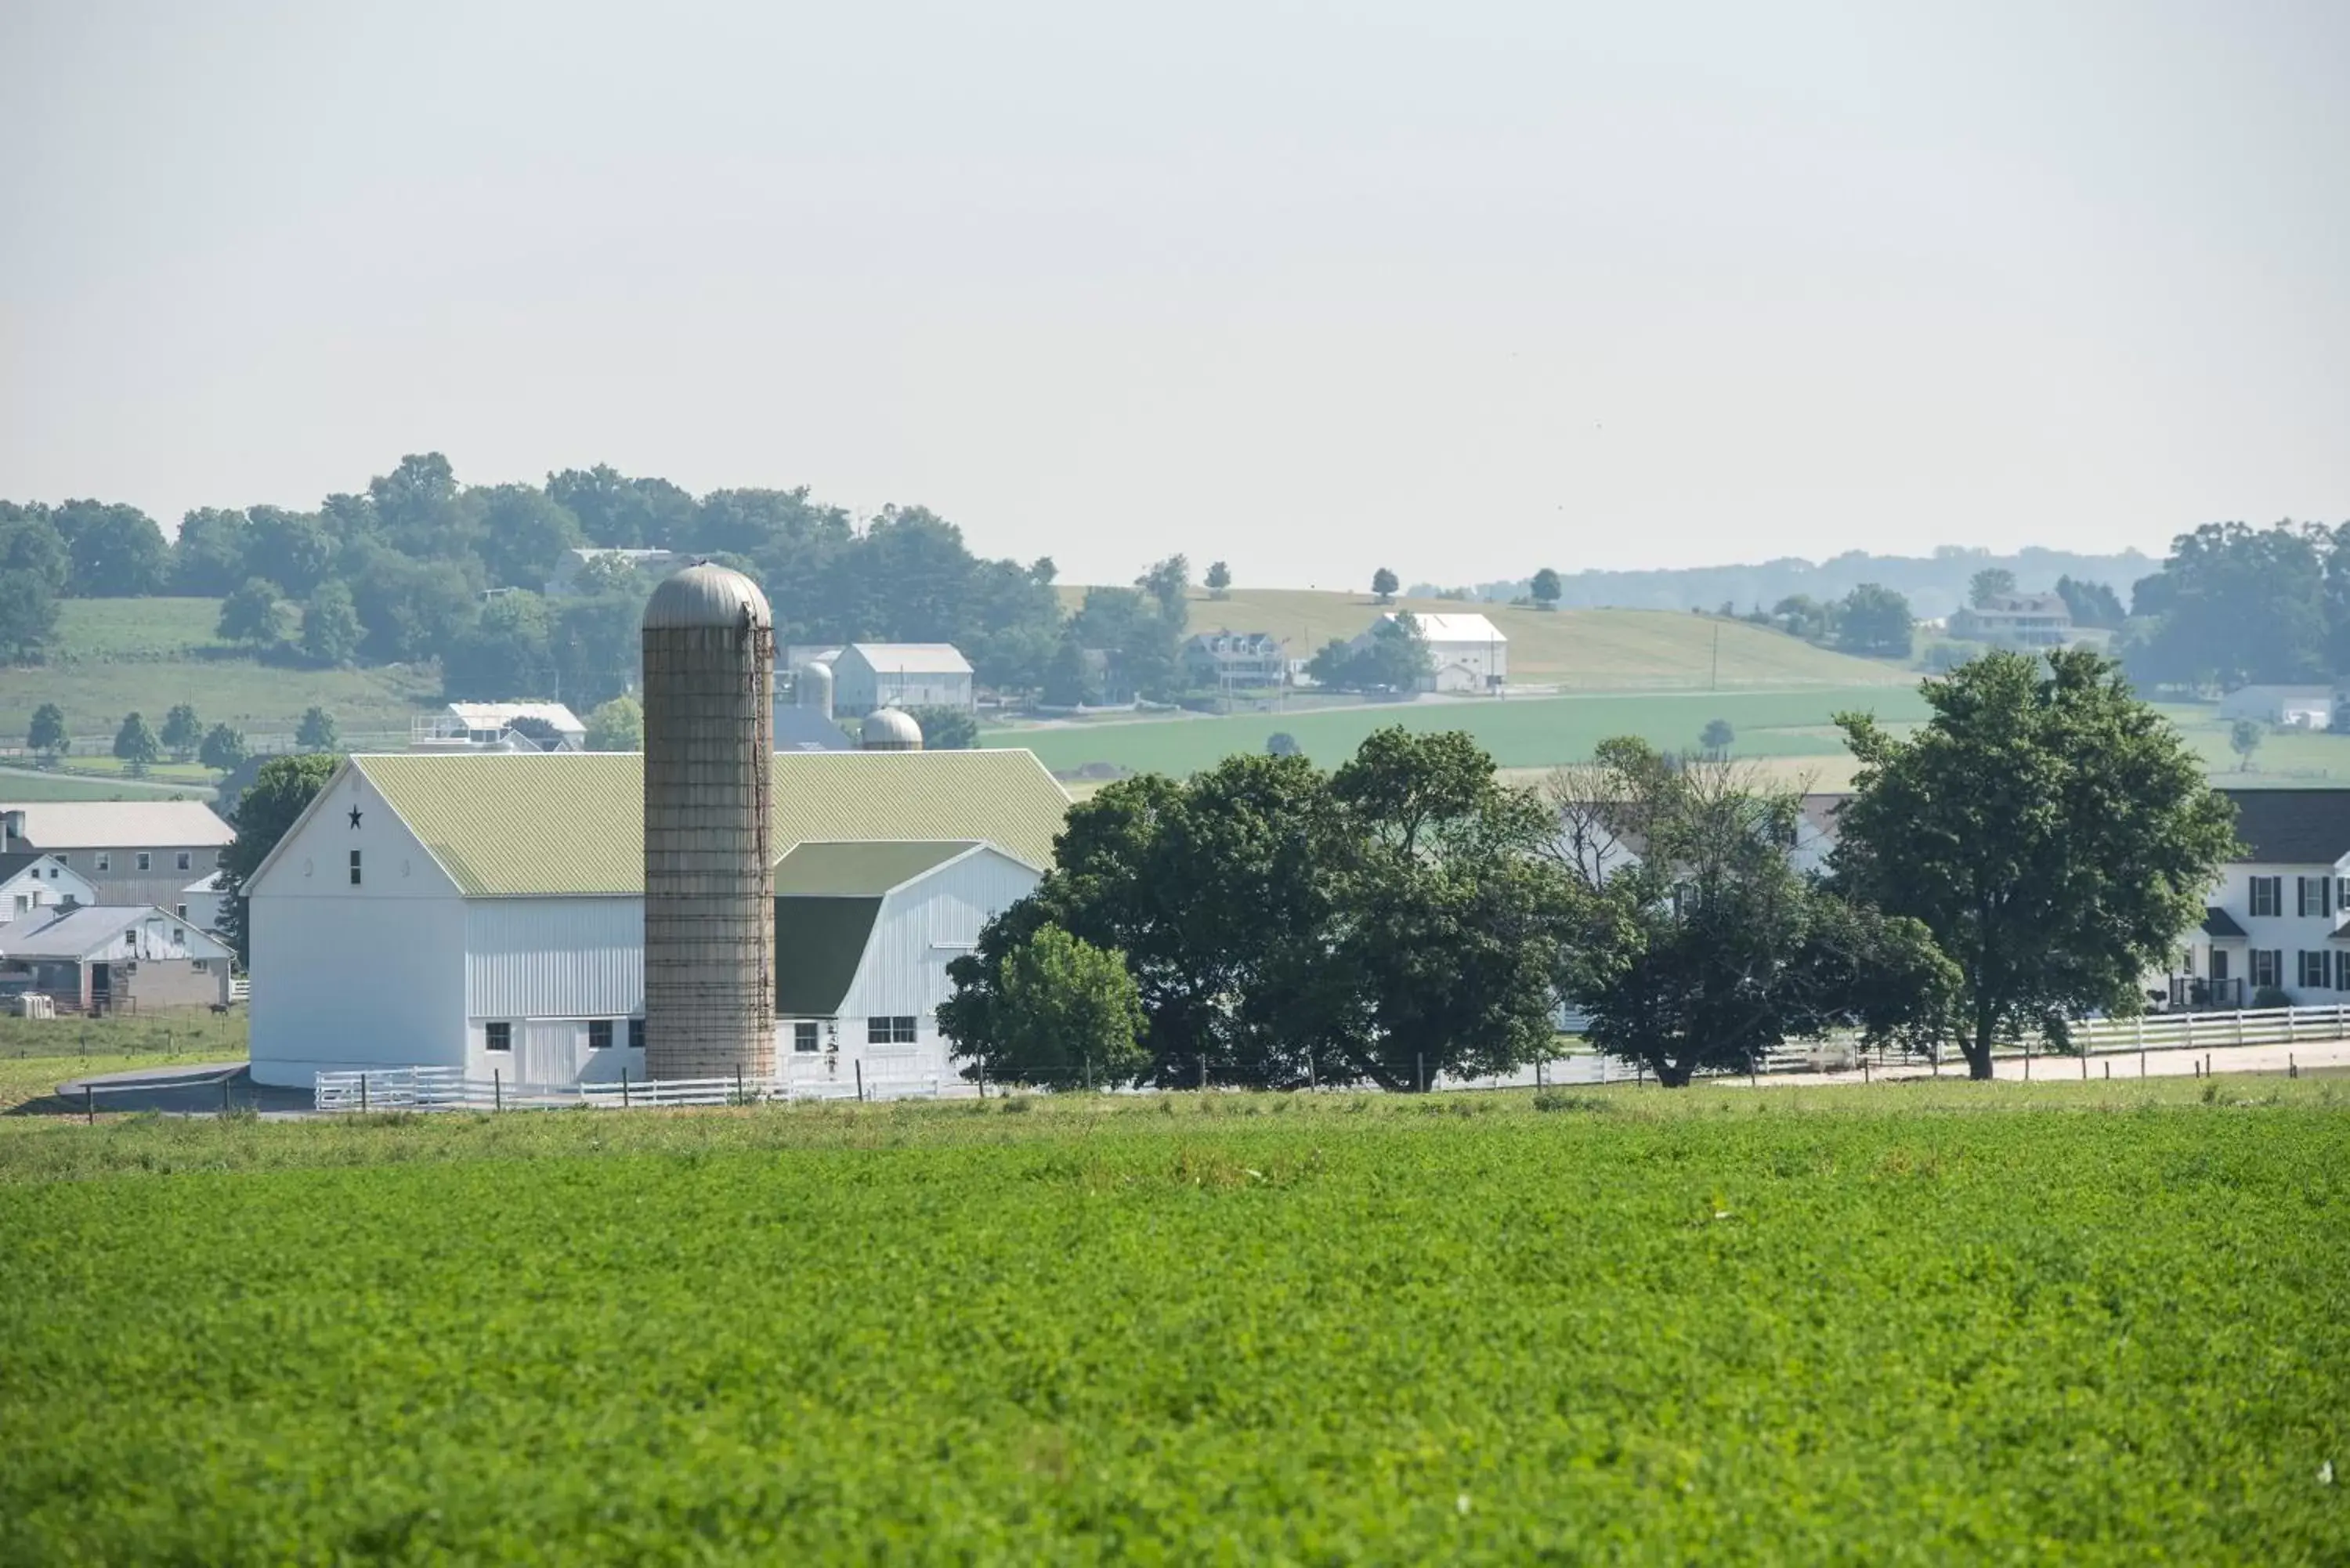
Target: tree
x=48, y=734
x=254, y=614
x=1718, y=738
x=1069, y=680
x=2235, y=605
x=183, y=731
x=2091, y=604
x=946, y=729
x=2244, y=738
x=208, y=559
x=1281, y=744
x=291, y=549
x=618, y=725
x=280, y=794
x=524, y=533
x=1706, y=948
x=118, y=552
x=1545, y=589
x=1875, y=621
x=1800, y=615
x=317, y=731
x=30, y=545
x=223, y=748
x=2053, y=832
x=1394, y=657
x=1219, y=581
x=330, y=625
x=1990, y=583
x=1384, y=583
x=136, y=746
x=1169, y=583
x=1061, y=1012
x=504, y=655
x=28, y=615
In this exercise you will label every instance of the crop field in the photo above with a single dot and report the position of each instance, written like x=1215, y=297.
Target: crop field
x=1602, y=649
x=1520, y=732
x=1916, y=1324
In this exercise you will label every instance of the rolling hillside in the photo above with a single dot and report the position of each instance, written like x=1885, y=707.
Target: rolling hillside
x=121, y=656
x=1591, y=649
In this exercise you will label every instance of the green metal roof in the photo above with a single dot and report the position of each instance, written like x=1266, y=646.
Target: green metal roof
x=819, y=942
x=515, y=825
x=865, y=869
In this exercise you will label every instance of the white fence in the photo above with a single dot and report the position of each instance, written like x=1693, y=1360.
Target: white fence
x=448, y=1089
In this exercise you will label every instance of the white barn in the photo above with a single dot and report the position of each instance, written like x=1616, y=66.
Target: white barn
x=870, y=675
x=1471, y=652
x=486, y=911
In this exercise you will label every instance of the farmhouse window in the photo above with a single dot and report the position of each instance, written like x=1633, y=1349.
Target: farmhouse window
x=803, y=1031
x=2267, y=896
x=2342, y=971
x=186, y=860
x=180, y=910
x=2313, y=969
x=146, y=861
x=355, y=868
x=104, y=860
x=2315, y=894
x=497, y=1036
x=600, y=1034
x=2268, y=967
x=636, y=1034
x=896, y=1031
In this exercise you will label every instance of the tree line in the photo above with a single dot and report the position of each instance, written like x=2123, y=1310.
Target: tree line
x=2025, y=857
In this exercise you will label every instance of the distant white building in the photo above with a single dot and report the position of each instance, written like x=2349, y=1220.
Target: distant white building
x=499, y=727
x=486, y=911
x=200, y=903
x=131, y=851
x=1471, y=652
x=2015, y=620
x=870, y=675
x=113, y=957
x=2294, y=707
x=31, y=882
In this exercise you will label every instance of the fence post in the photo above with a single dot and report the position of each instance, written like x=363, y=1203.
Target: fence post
x=860, y=1080
x=2207, y=1064
x=89, y=1105
x=983, y=1077
x=223, y=1097
x=2108, y=1066
x=2027, y=1058
x=363, y=1092
x=2292, y=1067
x=1085, y=1065
x=1864, y=1067
x=1419, y=1066
x=1203, y=1072
x=2141, y=1061
x=497, y=1089
x=738, y=1084
x=2085, y=1066
x=624, y=1089
x=2240, y=1029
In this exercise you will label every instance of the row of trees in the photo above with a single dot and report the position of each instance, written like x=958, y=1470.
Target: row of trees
x=1871, y=621
x=2023, y=859
x=183, y=737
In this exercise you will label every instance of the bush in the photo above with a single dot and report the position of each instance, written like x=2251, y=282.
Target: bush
x=2271, y=996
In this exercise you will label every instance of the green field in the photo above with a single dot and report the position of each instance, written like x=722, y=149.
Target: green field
x=121, y=656
x=1927, y=1323
x=1521, y=733
x=1601, y=650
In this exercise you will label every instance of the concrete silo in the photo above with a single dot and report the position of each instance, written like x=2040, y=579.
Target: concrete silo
x=891, y=730
x=710, y=880
x=813, y=687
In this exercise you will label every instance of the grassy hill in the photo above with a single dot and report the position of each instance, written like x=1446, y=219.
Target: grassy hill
x=1591, y=649
x=1529, y=732
x=121, y=656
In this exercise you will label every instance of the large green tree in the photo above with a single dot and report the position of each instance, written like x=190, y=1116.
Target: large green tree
x=183, y=731
x=279, y=792
x=118, y=552
x=135, y=745
x=1064, y=1015
x=224, y=750
x=28, y=616
x=1874, y=620
x=2053, y=832
x=48, y=734
x=1696, y=945
x=1990, y=583
x=618, y=725
x=331, y=632
x=317, y=731
x=254, y=614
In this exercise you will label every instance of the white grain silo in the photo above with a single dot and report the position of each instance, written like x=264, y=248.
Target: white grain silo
x=891, y=730
x=710, y=881
x=813, y=687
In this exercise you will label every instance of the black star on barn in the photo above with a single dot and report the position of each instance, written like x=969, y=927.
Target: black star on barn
x=355, y=817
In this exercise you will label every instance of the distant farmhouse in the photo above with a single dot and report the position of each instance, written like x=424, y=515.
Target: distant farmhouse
x=2015, y=620
x=566, y=583
x=2293, y=707
x=500, y=727
x=137, y=852
x=113, y=959
x=31, y=885
x=870, y=675
x=1236, y=658
x=1471, y=652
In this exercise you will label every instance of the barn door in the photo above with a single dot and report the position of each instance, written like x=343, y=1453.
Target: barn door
x=550, y=1055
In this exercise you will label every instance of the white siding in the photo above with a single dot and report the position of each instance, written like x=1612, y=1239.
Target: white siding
x=2288, y=933
x=555, y=958
x=350, y=977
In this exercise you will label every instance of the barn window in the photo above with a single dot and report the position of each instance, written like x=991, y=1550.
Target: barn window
x=497, y=1036
x=804, y=1035
x=200, y=966
x=636, y=1034
x=355, y=868
x=146, y=861
x=600, y=1034
x=180, y=910
x=105, y=861
x=186, y=859
x=896, y=1031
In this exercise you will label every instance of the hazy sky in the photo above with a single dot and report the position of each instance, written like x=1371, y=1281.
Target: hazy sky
x=1459, y=288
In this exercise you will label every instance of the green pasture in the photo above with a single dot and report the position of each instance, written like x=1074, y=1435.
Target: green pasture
x=1521, y=733
x=1907, y=1324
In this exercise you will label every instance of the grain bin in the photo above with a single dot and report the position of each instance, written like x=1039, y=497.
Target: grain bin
x=710, y=880
x=891, y=730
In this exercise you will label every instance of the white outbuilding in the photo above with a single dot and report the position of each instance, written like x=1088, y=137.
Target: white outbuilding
x=486, y=911
x=870, y=675
x=1471, y=652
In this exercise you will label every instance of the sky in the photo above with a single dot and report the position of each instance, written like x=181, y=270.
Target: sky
x=1460, y=288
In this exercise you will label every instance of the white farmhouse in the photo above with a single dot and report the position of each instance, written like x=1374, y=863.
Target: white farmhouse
x=2277, y=917
x=131, y=851
x=1469, y=651
x=864, y=932
x=31, y=882
x=870, y=675
x=486, y=911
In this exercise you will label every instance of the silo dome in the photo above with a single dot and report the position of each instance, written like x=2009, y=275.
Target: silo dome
x=813, y=687
x=891, y=730
x=705, y=595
